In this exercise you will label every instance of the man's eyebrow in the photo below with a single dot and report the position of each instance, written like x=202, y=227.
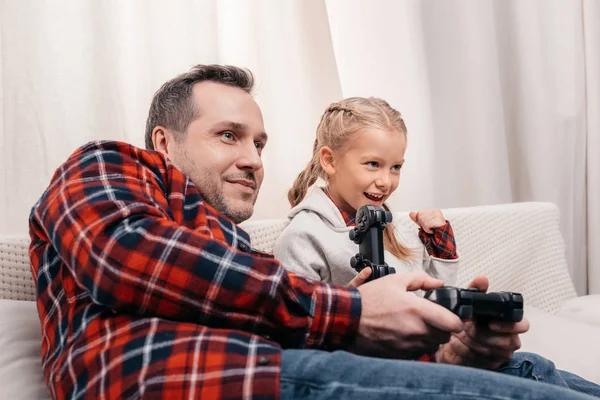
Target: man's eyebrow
x=238, y=126
x=264, y=137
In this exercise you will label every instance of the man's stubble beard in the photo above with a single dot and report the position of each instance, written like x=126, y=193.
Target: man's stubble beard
x=212, y=192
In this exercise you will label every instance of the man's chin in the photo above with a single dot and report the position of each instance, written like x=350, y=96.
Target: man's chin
x=239, y=211
x=238, y=206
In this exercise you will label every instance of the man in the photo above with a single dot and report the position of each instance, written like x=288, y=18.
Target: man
x=147, y=288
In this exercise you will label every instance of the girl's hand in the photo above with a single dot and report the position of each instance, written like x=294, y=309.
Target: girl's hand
x=428, y=219
x=360, y=278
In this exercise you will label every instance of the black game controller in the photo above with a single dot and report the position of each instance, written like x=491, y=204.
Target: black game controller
x=480, y=307
x=466, y=303
x=368, y=234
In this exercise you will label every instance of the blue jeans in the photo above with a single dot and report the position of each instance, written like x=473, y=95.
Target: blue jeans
x=314, y=374
x=533, y=366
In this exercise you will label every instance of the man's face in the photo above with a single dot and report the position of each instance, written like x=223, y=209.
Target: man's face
x=221, y=152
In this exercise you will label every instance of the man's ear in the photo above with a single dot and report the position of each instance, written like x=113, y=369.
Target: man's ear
x=161, y=138
x=327, y=160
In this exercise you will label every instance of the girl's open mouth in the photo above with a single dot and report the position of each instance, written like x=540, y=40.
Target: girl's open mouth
x=373, y=197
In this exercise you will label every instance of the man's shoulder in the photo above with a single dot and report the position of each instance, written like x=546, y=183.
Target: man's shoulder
x=107, y=160
x=98, y=147
x=108, y=157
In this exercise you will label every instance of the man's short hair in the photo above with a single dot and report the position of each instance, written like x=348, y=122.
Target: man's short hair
x=173, y=105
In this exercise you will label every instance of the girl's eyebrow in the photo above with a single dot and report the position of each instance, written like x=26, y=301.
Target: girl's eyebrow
x=374, y=156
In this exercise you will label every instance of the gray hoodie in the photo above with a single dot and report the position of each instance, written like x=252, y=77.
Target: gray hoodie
x=316, y=244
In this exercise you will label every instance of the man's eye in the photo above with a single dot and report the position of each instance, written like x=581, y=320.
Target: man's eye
x=259, y=145
x=373, y=164
x=227, y=135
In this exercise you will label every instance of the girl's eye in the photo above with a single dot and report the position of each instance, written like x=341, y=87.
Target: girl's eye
x=397, y=167
x=373, y=164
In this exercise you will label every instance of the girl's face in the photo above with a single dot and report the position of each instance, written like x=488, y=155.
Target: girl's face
x=367, y=171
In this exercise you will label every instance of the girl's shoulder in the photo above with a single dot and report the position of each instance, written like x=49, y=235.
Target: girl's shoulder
x=304, y=229
x=303, y=220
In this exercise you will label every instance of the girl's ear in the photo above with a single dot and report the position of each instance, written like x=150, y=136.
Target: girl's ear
x=327, y=160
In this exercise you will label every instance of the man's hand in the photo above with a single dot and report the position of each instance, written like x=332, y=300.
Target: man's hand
x=428, y=219
x=398, y=324
x=483, y=346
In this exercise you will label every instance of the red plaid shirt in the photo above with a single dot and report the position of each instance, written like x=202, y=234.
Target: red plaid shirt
x=440, y=244
x=144, y=290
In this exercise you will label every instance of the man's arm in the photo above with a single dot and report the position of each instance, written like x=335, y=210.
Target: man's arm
x=107, y=214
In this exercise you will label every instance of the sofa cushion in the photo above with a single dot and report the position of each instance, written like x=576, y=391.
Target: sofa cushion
x=21, y=375
x=585, y=309
x=572, y=345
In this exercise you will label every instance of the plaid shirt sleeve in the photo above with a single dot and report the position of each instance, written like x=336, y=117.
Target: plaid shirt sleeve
x=122, y=227
x=440, y=243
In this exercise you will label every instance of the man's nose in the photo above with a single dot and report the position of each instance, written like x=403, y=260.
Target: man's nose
x=249, y=158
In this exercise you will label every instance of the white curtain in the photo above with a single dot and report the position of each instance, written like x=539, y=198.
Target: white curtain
x=591, y=13
x=501, y=97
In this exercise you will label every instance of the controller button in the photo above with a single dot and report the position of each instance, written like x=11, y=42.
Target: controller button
x=465, y=312
x=517, y=298
x=517, y=315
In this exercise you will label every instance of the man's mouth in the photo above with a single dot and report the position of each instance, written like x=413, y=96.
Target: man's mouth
x=247, y=183
x=376, y=197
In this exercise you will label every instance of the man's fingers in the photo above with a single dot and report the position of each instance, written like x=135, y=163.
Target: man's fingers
x=417, y=280
x=510, y=327
x=458, y=347
x=439, y=317
x=478, y=354
x=499, y=342
x=447, y=355
x=360, y=278
x=428, y=347
x=481, y=283
x=437, y=336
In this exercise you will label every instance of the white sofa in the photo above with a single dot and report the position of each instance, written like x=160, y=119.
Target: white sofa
x=518, y=246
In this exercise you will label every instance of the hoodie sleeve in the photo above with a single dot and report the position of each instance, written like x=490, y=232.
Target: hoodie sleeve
x=440, y=256
x=446, y=270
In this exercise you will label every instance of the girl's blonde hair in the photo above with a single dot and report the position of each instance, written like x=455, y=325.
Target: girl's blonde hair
x=339, y=124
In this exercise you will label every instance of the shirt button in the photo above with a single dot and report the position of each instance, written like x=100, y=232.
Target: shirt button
x=243, y=247
x=264, y=360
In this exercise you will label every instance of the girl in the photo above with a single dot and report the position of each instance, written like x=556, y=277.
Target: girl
x=358, y=152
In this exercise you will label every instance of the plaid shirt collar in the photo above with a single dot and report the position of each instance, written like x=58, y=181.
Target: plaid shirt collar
x=348, y=218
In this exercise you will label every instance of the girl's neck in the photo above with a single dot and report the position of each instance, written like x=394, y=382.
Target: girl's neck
x=339, y=201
